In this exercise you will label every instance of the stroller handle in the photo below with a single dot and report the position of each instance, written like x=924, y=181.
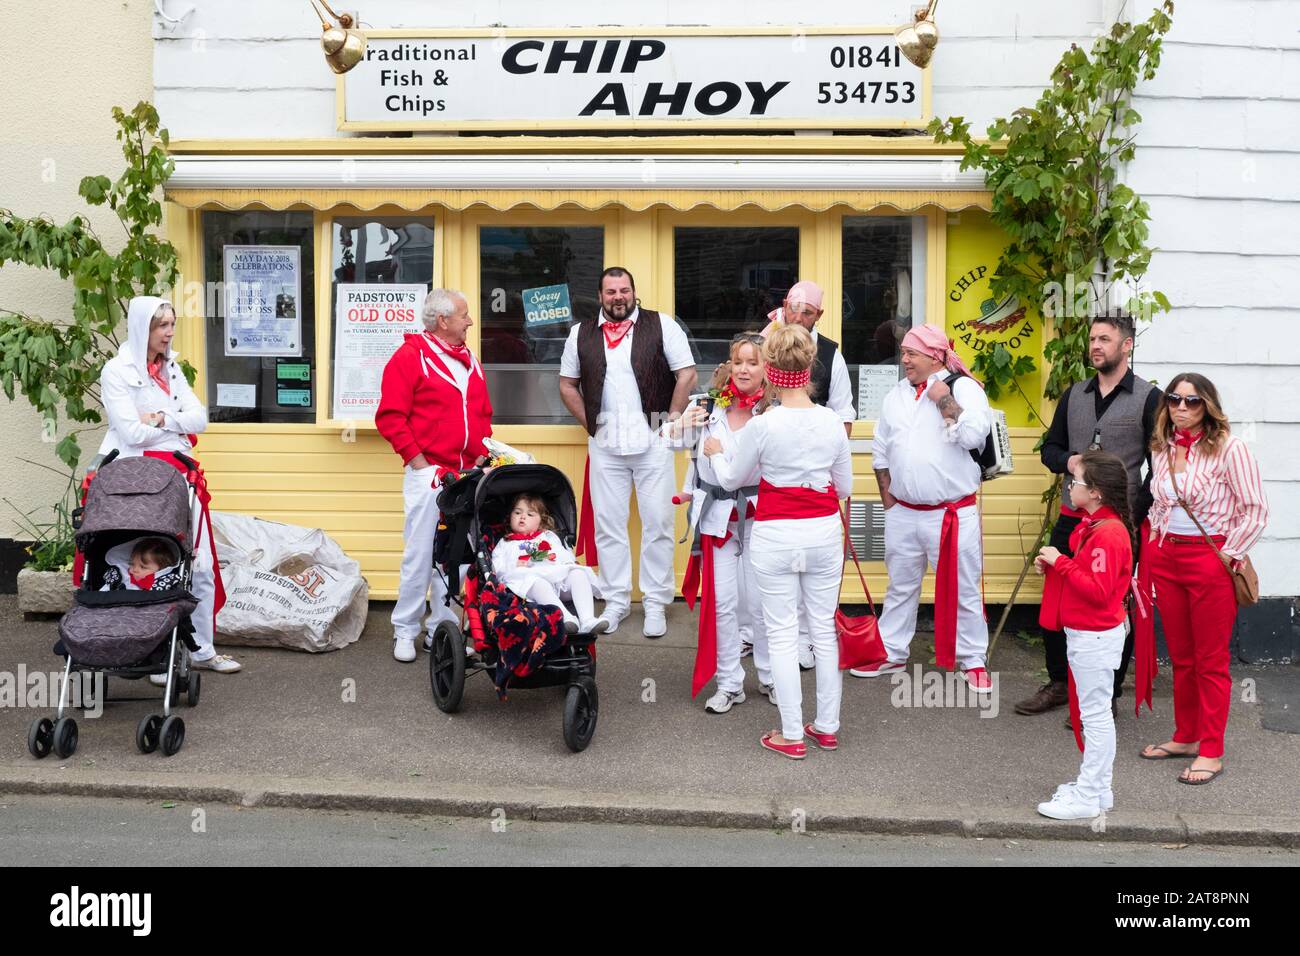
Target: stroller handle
x=185, y=460
x=108, y=458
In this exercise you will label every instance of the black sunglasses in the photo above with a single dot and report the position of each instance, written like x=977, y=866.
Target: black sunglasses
x=753, y=338
x=1191, y=401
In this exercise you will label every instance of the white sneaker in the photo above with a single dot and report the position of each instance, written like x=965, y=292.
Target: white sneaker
x=613, y=617
x=595, y=625
x=158, y=680
x=221, y=663
x=770, y=691
x=1107, y=800
x=656, y=625
x=723, y=701
x=806, y=659
x=404, y=649
x=1068, y=805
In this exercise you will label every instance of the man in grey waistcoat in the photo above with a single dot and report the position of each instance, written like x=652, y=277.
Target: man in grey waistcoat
x=1113, y=411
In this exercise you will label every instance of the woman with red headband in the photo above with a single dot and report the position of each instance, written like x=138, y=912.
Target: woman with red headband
x=802, y=456
x=720, y=568
x=1205, y=484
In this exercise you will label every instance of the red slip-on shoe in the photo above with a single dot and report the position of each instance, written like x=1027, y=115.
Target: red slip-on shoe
x=879, y=670
x=824, y=741
x=795, y=751
x=979, y=680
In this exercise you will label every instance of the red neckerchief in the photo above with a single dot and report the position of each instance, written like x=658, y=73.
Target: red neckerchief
x=155, y=370
x=1098, y=516
x=920, y=390
x=458, y=352
x=517, y=536
x=144, y=583
x=1185, y=438
x=615, y=331
x=740, y=398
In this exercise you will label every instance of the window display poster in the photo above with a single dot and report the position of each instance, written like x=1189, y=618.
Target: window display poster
x=263, y=296
x=874, y=383
x=368, y=327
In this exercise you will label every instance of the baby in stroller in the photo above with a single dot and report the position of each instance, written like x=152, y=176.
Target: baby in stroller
x=145, y=564
x=535, y=564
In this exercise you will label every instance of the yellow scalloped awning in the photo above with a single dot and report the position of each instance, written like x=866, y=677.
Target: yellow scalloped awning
x=814, y=200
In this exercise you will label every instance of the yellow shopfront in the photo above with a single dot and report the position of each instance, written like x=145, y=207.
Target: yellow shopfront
x=892, y=241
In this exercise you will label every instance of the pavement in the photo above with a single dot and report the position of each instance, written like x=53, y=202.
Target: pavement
x=354, y=730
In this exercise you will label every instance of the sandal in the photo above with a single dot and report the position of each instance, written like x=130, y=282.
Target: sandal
x=1166, y=753
x=1185, y=778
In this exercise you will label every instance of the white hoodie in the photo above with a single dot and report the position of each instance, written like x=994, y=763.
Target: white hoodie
x=127, y=392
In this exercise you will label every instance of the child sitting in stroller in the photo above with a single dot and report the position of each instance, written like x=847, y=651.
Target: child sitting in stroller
x=145, y=564
x=535, y=564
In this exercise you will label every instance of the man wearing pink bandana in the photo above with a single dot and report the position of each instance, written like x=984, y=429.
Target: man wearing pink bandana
x=435, y=412
x=928, y=483
x=830, y=376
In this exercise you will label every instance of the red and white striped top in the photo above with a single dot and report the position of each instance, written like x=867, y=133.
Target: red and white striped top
x=1224, y=491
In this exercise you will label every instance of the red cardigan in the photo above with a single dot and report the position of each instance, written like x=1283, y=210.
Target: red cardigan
x=421, y=410
x=1086, y=592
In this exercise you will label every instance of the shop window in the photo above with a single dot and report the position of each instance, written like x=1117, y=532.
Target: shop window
x=382, y=270
x=260, y=327
x=726, y=279
x=535, y=282
x=884, y=296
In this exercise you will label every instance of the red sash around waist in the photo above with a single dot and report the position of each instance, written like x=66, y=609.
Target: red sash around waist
x=945, y=579
x=775, y=504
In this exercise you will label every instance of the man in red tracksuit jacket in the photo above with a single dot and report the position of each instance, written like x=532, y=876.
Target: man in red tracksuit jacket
x=435, y=412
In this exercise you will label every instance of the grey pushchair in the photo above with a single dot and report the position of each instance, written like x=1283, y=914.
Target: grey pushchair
x=123, y=633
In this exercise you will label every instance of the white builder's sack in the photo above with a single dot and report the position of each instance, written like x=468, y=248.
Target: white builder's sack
x=286, y=586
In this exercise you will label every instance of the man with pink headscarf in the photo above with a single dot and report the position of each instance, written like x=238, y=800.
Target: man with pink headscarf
x=928, y=483
x=830, y=376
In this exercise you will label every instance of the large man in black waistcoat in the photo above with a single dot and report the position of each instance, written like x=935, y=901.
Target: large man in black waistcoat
x=622, y=374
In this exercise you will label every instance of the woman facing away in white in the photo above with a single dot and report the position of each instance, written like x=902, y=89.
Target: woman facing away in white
x=802, y=456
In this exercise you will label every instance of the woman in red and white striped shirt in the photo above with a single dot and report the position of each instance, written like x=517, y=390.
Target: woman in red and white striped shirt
x=1198, y=462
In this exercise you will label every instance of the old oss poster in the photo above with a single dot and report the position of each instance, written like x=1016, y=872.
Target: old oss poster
x=263, y=299
x=368, y=328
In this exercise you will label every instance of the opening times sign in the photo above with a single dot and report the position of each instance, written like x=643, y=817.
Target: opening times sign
x=655, y=78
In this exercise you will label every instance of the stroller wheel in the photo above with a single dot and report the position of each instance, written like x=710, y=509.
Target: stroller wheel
x=146, y=733
x=65, y=737
x=580, y=711
x=172, y=735
x=192, y=688
x=447, y=667
x=40, y=737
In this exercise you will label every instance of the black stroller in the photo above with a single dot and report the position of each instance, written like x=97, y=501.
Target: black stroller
x=475, y=507
x=126, y=633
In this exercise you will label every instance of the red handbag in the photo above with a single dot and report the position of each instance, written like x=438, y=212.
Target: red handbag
x=860, y=644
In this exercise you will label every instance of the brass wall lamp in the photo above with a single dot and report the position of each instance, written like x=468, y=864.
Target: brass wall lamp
x=918, y=40
x=344, y=45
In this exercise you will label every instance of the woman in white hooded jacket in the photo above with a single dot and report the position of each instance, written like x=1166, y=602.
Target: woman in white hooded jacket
x=151, y=408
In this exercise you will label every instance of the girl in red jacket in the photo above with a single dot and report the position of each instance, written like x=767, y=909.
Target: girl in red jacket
x=1084, y=596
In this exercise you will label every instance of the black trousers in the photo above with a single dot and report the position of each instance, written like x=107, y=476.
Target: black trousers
x=1058, y=667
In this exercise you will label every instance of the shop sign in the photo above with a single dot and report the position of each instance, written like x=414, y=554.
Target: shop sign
x=627, y=78
x=547, y=305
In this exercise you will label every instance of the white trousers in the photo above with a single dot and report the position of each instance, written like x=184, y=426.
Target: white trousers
x=912, y=541
x=613, y=477
x=203, y=585
x=789, y=578
x=736, y=596
x=418, y=577
x=1094, y=657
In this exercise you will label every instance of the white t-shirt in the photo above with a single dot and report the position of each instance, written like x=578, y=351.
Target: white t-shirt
x=928, y=458
x=622, y=428
x=792, y=448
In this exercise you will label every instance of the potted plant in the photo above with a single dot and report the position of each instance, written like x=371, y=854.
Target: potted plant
x=45, y=581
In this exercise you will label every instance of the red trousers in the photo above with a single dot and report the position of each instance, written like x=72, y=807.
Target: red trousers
x=1197, y=608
